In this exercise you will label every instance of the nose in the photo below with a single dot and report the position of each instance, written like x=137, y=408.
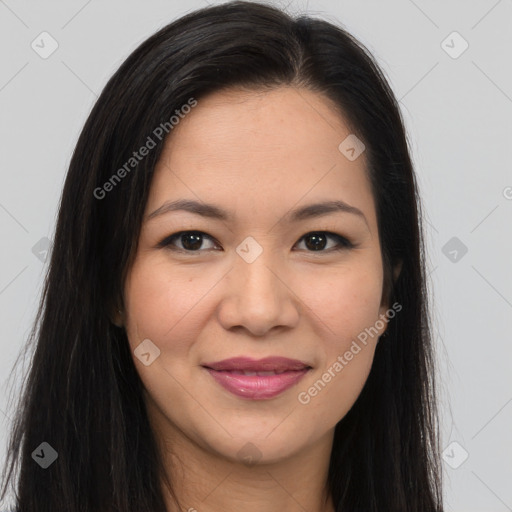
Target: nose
x=258, y=298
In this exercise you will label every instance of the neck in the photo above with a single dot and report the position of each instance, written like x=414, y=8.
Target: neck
x=205, y=481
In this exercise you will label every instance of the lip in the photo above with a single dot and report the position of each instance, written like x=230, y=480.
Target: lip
x=229, y=374
x=275, y=363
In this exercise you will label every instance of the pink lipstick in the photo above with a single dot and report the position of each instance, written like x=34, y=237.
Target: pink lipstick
x=257, y=379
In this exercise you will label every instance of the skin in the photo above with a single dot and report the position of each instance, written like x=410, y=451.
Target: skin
x=258, y=155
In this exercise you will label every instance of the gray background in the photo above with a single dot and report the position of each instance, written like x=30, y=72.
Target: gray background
x=458, y=113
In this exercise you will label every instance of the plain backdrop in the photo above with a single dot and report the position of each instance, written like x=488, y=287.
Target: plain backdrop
x=449, y=64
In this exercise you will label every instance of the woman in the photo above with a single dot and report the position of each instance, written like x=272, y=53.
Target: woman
x=235, y=314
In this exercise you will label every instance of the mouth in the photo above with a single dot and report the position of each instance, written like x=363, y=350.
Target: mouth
x=257, y=379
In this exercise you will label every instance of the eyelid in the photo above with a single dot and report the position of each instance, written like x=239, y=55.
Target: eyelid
x=343, y=242
x=166, y=242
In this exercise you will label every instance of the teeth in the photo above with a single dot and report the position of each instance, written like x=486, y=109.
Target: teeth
x=250, y=373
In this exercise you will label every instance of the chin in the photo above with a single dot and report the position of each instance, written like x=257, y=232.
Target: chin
x=259, y=445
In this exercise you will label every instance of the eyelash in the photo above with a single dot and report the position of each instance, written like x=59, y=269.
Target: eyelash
x=343, y=242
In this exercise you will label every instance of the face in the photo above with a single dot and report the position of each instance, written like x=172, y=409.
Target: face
x=265, y=281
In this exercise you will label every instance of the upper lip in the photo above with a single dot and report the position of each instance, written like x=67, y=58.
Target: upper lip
x=275, y=363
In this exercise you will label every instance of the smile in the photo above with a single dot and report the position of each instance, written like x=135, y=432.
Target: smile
x=257, y=380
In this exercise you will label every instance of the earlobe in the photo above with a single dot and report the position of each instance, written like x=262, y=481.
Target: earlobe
x=116, y=316
x=384, y=305
x=397, y=270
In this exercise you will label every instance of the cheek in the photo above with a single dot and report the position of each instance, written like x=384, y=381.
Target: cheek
x=347, y=308
x=345, y=301
x=160, y=304
x=163, y=306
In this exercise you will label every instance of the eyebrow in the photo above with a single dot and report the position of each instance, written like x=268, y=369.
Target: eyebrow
x=214, y=212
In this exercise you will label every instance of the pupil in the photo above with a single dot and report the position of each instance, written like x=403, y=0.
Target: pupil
x=195, y=238
x=317, y=242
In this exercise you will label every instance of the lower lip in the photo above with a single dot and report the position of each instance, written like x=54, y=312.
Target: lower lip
x=256, y=387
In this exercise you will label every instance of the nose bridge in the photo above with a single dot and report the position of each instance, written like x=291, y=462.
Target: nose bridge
x=259, y=285
x=257, y=297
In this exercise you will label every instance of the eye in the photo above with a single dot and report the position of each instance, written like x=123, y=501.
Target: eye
x=191, y=241
x=317, y=241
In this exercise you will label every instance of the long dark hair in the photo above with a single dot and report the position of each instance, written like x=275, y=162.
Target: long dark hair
x=83, y=395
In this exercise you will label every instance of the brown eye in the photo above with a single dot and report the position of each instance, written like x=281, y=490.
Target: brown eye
x=316, y=241
x=191, y=241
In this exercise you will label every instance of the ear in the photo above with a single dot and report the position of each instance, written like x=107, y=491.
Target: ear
x=384, y=306
x=396, y=270
x=116, y=315
x=117, y=319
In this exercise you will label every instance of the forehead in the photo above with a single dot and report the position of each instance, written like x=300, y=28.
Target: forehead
x=266, y=150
